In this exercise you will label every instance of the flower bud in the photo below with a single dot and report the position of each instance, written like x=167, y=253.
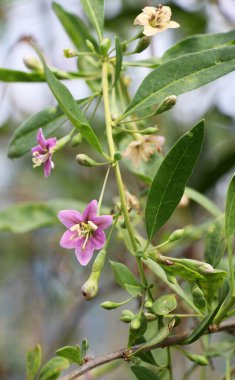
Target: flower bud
x=176, y=235
x=62, y=142
x=90, y=46
x=166, y=105
x=148, y=131
x=33, y=63
x=127, y=316
x=84, y=160
x=150, y=317
x=105, y=46
x=90, y=288
x=70, y=53
x=136, y=323
x=117, y=155
x=142, y=45
x=77, y=139
x=148, y=304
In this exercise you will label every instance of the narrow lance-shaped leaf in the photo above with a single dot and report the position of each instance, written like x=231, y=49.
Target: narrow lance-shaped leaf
x=69, y=105
x=230, y=209
x=33, y=362
x=119, y=56
x=74, y=27
x=199, y=42
x=169, y=183
x=125, y=278
x=182, y=74
x=95, y=11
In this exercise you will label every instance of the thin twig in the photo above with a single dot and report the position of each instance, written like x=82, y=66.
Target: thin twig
x=124, y=352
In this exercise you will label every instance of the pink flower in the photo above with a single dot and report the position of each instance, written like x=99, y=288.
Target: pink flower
x=42, y=152
x=85, y=231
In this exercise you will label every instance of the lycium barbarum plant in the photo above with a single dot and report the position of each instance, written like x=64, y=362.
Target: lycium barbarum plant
x=197, y=289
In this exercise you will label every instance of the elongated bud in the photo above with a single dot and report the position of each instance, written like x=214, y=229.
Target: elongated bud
x=148, y=131
x=90, y=46
x=105, y=46
x=62, y=142
x=109, y=305
x=176, y=235
x=84, y=160
x=90, y=288
x=166, y=104
x=148, y=304
x=199, y=359
x=142, y=45
x=33, y=63
x=150, y=317
x=136, y=323
x=70, y=53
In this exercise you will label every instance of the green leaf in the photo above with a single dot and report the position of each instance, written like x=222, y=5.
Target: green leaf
x=164, y=304
x=84, y=347
x=197, y=43
x=230, y=209
x=69, y=105
x=169, y=183
x=28, y=216
x=138, y=328
x=125, y=278
x=204, y=324
x=72, y=353
x=33, y=362
x=202, y=200
x=52, y=369
x=149, y=63
x=95, y=11
x=49, y=119
x=76, y=29
x=143, y=373
x=119, y=57
x=215, y=242
x=198, y=297
x=181, y=75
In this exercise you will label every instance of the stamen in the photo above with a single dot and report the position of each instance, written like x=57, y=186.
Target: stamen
x=92, y=225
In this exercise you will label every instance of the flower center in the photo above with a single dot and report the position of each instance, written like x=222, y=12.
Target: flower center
x=38, y=158
x=84, y=230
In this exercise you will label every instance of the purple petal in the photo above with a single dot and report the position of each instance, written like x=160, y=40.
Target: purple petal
x=103, y=221
x=70, y=217
x=69, y=241
x=41, y=139
x=90, y=211
x=98, y=239
x=38, y=149
x=84, y=255
x=47, y=167
x=51, y=143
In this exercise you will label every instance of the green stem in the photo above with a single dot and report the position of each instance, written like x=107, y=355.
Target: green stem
x=103, y=189
x=228, y=368
x=169, y=363
x=111, y=145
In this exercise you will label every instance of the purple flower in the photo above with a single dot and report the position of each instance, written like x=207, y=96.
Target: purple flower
x=42, y=152
x=85, y=231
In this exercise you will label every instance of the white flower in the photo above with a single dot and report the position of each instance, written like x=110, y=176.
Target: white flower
x=155, y=20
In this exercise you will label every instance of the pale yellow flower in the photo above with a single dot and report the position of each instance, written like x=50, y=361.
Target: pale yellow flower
x=155, y=20
x=144, y=148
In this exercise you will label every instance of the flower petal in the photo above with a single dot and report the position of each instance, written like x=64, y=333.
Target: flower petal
x=51, y=143
x=68, y=241
x=142, y=19
x=149, y=10
x=150, y=31
x=47, y=167
x=173, y=24
x=103, y=221
x=98, y=239
x=84, y=255
x=70, y=217
x=38, y=149
x=90, y=211
x=41, y=139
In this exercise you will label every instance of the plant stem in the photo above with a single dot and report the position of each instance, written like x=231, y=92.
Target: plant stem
x=111, y=145
x=169, y=363
x=103, y=189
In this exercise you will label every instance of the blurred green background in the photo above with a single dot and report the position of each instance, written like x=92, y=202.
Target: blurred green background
x=40, y=298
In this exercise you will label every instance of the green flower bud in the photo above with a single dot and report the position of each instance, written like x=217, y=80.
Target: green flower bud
x=142, y=45
x=199, y=359
x=136, y=323
x=127, y=316
x=62, y=142
x=90, y=288
x=148, y=304
x=105, y=46
x=176, y=235
x=90, y=46
x=117, y=155
x=77, y=139
x=148, y=131
x=150, y=317
x=33, y=63
x=84, y=160
x=166, y=104
x=109, y=305
x=70, y=53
